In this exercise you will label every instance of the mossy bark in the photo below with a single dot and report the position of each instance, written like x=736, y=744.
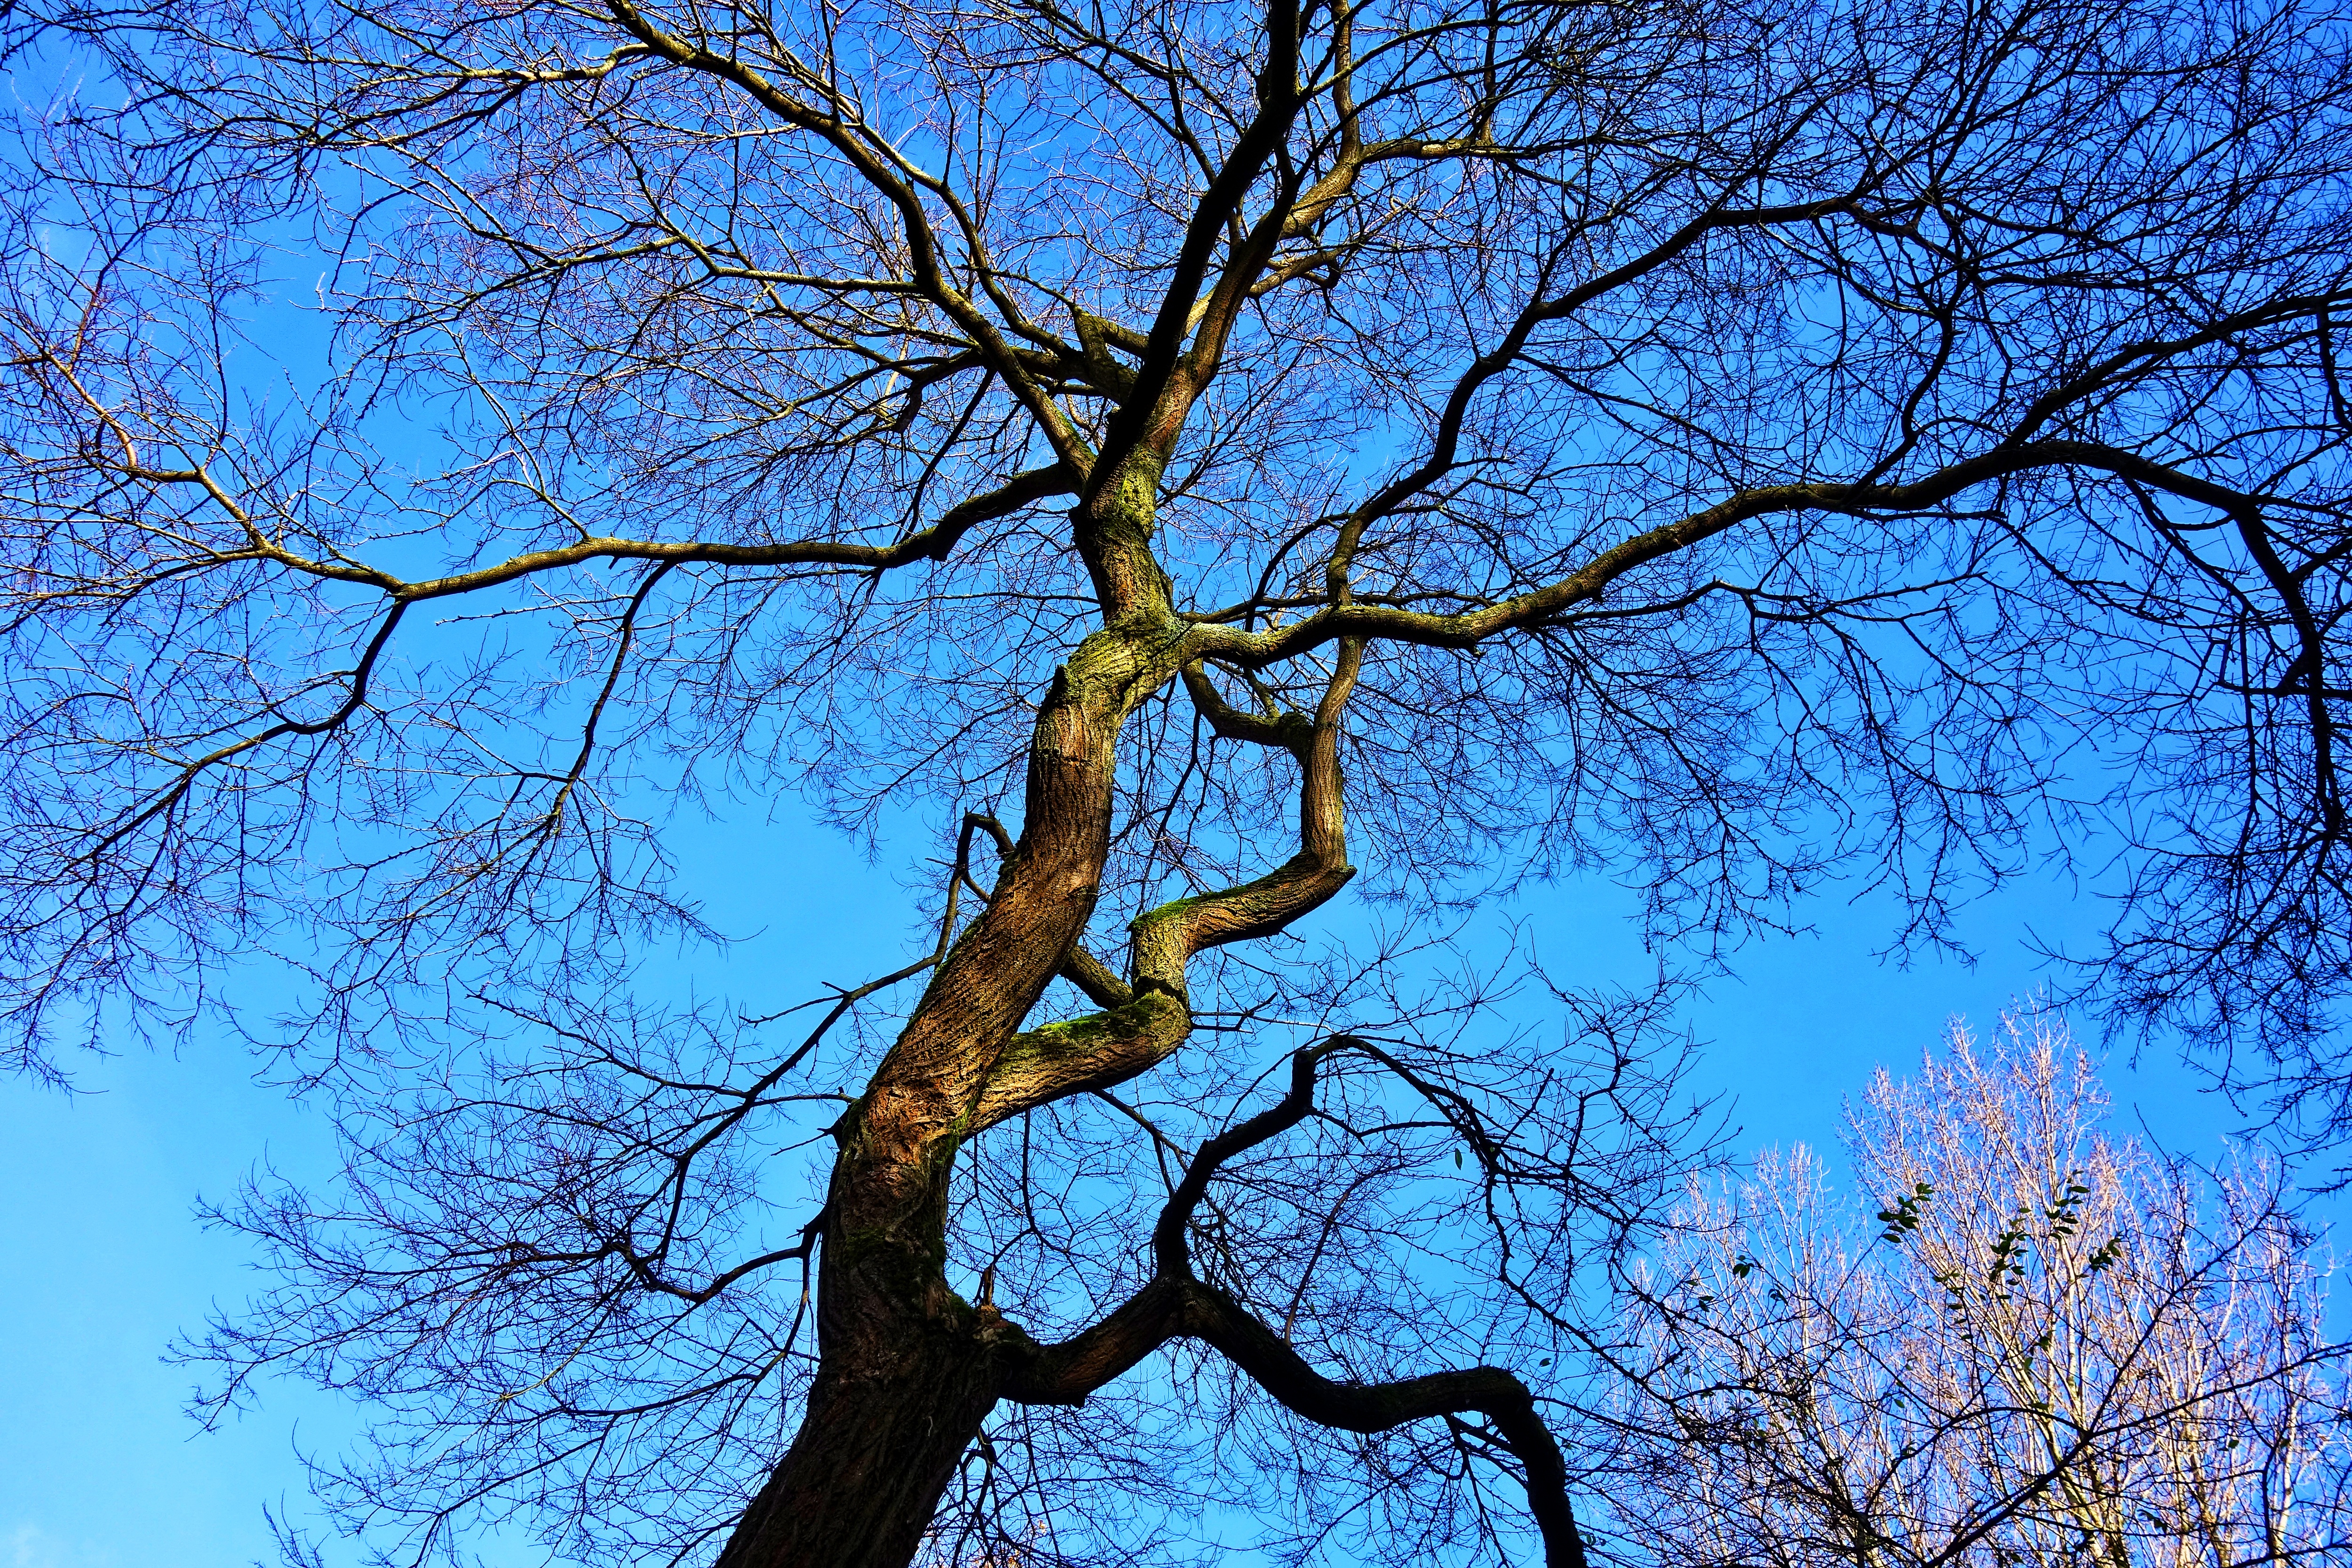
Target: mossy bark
x=907, y=1370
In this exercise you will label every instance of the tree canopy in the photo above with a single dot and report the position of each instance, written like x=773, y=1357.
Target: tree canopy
x=1148, y=460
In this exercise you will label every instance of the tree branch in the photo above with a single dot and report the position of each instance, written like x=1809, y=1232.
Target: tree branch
x=1542, y=605
x=1178, y=1304
x=1141, y=1026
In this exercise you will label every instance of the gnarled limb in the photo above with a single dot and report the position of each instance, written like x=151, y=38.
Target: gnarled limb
x=1177, y=1304
x=1170, y=1309
x=1141, y=1027
x=1167, y=938
x=1213, y=1316
x=1100, y=1050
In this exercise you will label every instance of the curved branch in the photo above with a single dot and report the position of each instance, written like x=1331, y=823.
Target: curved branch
x=1345, y=618
x=2309, y=666
x=1289, y=730
x=2138, y=358
x=1216, y=1319
x=1169, y=1253
x=1100, y=1050
x=1455, y=416
x=1093, y=976
x=932, y=544
x=1142, y=1025
x=1176, y=1304
x=1066, y=1372
x=167, y=798
x=1167, y=938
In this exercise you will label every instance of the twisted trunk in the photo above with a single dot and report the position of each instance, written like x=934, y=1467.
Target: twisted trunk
x=909, y=1370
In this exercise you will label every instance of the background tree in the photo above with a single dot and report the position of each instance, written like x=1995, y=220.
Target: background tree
x=2065, y=1352
x=1724, y=443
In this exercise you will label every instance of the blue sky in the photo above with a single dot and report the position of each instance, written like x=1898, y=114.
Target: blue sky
x=106, y=1263
x=99, y=1469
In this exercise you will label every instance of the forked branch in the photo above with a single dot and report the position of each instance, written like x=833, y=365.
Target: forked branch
x=1177, y=1304
x=1142, y=1025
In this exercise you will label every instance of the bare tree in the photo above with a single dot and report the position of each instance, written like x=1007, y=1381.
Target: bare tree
x=1724, y=443
x=2060, y=1351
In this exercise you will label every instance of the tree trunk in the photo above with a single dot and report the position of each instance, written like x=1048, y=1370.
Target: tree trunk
x=908, y=1370
x=878, y=1447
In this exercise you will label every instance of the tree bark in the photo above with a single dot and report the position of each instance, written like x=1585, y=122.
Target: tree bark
x=875, y=1453
x=909, y=1370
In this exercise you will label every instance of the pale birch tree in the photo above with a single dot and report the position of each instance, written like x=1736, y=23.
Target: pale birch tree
x=2049, y=1348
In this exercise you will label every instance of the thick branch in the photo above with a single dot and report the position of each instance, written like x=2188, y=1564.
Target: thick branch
x=1541, y=606
x=1141, y=1026
x=1176, y=1303
x=1092, y=975
x=1167, y=938
x=1100, y=1050
x=1288, y=729
x=1212, y=1316
x=1066, y=1373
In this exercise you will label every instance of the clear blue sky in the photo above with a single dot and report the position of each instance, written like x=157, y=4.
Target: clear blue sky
x=99, y=1469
